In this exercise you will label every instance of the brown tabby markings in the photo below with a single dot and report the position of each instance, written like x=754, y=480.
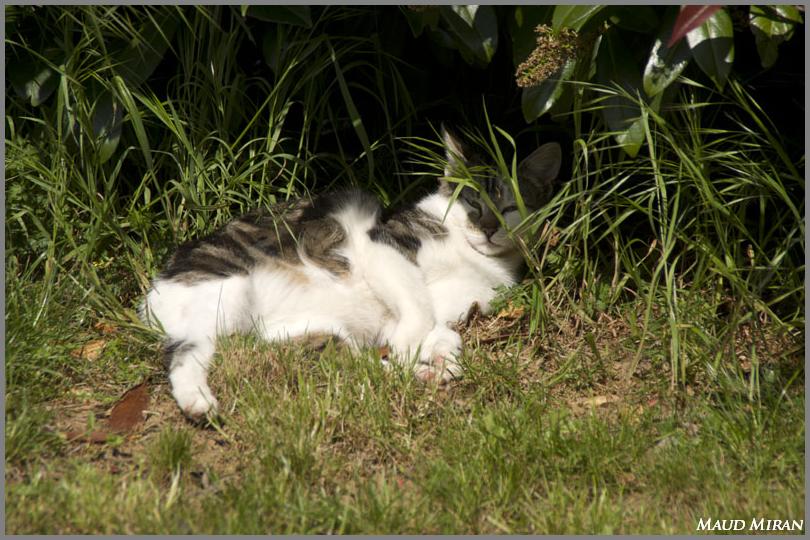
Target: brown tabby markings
x=405, y=229
x=278, y=237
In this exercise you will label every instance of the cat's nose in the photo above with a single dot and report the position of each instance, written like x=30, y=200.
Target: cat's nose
x=489, y=231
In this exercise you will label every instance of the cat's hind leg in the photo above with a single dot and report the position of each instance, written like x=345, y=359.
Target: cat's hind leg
x=187, y=363
x=192, y=316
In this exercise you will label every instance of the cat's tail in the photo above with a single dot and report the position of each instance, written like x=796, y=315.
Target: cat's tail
x=357, y=213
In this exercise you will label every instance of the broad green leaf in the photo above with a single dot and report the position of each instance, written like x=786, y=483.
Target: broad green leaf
x=664, y=64
x=712, y=45
x=13, y=16
x=475, y=29
x=273, y=46
x=418, y=20
x=107, y=120
x=771, y=26
x=35, y=85
x=294, y=15
x=521, y=28
x=537, y=100
x=615, y=65
x=136, y=60
x=573, y=16
x=34, y=78
x=775, y=20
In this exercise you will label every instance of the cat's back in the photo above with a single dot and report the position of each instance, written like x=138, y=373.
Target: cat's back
x=288, y=234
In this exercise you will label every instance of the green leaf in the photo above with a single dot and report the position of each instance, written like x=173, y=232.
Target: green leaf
x=137, y=59
x=573, y=16
x=354, y=115
x=14, y=14
x=771, y=26
x=125, y=96
x=419, y=20
x=273, y=47
x=664, y=64
x=537, y=100
x=615, y=65
x=34, y=78
x=294, y=15
x=521, y=29
x=107, y=119
x=712, y=45
x=475, y=29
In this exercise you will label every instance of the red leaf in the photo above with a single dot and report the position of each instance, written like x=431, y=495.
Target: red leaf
x=128, y=412
x=688, y=19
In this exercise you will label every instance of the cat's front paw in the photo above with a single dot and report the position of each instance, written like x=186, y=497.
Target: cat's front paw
x=441, y=342
x=196, y=402
x=439, y=357
x=441, y=371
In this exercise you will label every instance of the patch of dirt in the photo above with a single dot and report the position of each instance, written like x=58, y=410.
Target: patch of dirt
x=130, y=450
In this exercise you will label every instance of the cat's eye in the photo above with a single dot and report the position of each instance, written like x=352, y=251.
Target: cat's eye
x=510, y=208
x=475, y=206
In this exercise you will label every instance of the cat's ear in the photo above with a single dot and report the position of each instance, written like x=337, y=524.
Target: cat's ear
x=542, y=166
x=454, y=150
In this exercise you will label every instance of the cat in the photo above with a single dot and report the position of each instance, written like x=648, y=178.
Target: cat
x=334, y=265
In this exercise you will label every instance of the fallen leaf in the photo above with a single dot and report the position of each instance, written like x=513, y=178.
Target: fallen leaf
x=597, y=401
x=105, y=328
x=384, y=351
x=511, y=312
x=128, y=412
x=90, y=350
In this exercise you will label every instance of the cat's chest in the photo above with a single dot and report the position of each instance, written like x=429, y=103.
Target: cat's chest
x=458, y=276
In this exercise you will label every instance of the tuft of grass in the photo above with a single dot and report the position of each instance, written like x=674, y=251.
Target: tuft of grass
x=171, y=453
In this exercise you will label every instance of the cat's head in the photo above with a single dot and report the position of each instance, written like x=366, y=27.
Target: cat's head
x=535, y=174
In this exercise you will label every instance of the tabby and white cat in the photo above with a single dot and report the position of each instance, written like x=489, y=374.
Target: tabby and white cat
x=333, y=265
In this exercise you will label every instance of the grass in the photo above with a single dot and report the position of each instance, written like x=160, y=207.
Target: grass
x=545, y=434
x=647, y=373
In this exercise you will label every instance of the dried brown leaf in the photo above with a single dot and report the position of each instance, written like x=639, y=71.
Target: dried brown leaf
x=128, y=412
x=105, y=328
x=511, y=312
x=90, y=350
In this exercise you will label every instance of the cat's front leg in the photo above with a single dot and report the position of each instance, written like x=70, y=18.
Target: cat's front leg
x=400, y=287
x=438, y=359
